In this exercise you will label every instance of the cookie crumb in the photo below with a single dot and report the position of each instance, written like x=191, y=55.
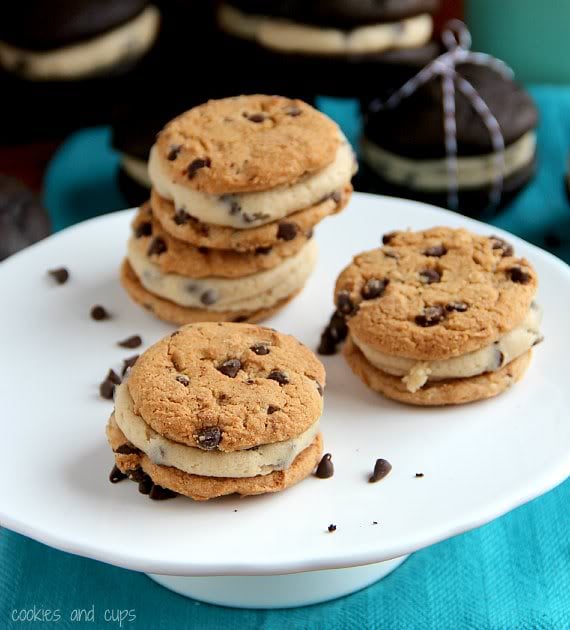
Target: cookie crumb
x=331, y=528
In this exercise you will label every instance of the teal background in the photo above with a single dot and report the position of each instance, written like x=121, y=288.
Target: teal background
x=511, y=574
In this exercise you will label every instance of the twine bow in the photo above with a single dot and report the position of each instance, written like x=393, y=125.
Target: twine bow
x=457, y=40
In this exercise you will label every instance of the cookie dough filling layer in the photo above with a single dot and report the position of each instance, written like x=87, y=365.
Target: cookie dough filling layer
x=433, y=175
x=260, y=460
x=252, y=292
x=136, y=169
x=124, y=43
x=293, y=37
x=247, y=210
x=415, y=374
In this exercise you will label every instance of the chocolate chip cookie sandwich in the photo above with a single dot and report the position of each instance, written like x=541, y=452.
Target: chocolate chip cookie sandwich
x=217, y=409
x=238, y=185
x=438, y=317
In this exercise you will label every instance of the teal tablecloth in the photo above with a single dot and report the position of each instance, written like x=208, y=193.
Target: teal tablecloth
x=513, y=573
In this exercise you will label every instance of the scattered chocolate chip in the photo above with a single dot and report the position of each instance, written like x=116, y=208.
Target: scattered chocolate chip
x=113, y=377
x=61, y=275
x=209, y=438
x=429, y=276
x=320, y=388
x=418, y=475
x=127, y=449
x=183, y=379
x=503, y=246
x=143, y=229
x=518, y=275
x=158, y=493
x=181, y=217
x=173, y=152
x=260, y=349
x=388, y=237
x=209, y=297
x=256, y=118
x=460, y=307
x=286, y=231
x=156, y=247
x=381, y=468
x=343, y=303
x=130, y=342
x=263, y=251
x=325, y=469
x=272, y=409
x=145, y=485
x=106, y=389
x=334, y=333
x=331, y=528
x=98, y=313
x=230, y=367
x=293, y=110
x=196, y=165
x=374, y=522
x=431, y=316
x=117, y=475
x=436, y=250
x=128, y=363
x=279, y=376
x=374, y=288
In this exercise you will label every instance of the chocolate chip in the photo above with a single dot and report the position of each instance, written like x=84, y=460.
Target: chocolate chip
x=143, y=229
x=127, y=449
x=293, y=111
x=128, y=363
x=419, y=475
x=431, y=316
x=158, y=493
x=106, y=389
x=183, y=379
x=437, y=251
x=460, y=307
x=173, y=152
x=61, y=275
x=286, y=231
x=374, y=288
x=503, y=246
x=263, y=251
x=156, y=247
x=230, y=367
x=117, y=475
x=334, y=333
x=130, y=342
x=145, y=485
x=343, y=303
x=209, y=297
x=279, y=376
x=113, y=377
x=320, y=388
x=256, y=118
x=260, y=349
x=325, y=469
x=98, y=313
x=181, y=217
x=196, y=165
x=331, y=528
x=429, y=276
x=500, y=357
x=388, y=237
x=272, y=409
x=209, y=438
x=256, y=216
x=239, y=319
x=518, y=275
x=381, y=468
x=374, y=522
x=137, y=474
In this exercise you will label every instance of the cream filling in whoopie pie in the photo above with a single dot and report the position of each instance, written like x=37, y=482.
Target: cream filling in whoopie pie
x=247, y=210
x=252, y=292
x=415, y=374
x=136, y=169
x=260, y=460
x=294, y=37
x=128, y=41
x=433, y=175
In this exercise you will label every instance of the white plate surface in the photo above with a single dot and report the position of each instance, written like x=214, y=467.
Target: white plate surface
x=479, y=460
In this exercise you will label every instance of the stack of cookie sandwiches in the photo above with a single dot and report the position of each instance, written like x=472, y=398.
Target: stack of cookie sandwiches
x=217, y=409
x=438, y=317
x=238, y=185
x=333, y=46
x=405, y=153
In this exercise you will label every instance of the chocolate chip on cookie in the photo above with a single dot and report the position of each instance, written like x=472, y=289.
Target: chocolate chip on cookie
x=143, y=229
x=460, y=307
x=196, y=165
x=429, y=276
x=209, y=438
x=181, y=217
x=505, y=248
x=156, y=247
x=260, y=349
x=286, y=231
x=374, y=288
x=519, y=275
x=278, y=376
x=436, y=251
x=431, y=316
x=183, y=380
x=230, y=367
x=173, y=152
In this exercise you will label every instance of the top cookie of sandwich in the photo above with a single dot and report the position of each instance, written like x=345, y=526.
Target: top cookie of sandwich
x=435, y=294
x=227, y=386
x=246, y=144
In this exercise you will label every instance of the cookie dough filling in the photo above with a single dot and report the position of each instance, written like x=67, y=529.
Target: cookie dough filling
x=415, y=374
x=433, y=175
x=124, y=43
x=136, y=169
x=247, y=210
x=293, y=37
x=260, y=460
x=252, y=292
